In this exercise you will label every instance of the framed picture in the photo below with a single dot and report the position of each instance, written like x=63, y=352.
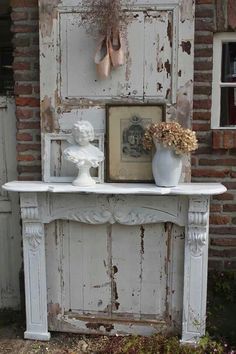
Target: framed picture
x=126, y=159
x=57, y=168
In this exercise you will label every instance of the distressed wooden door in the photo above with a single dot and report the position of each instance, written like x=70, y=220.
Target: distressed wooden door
x=158, y=67
x=10, y=240
x=82, y=272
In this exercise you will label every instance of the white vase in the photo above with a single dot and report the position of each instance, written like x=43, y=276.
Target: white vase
x=166, y=166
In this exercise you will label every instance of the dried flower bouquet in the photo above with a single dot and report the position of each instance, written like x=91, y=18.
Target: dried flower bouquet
x=172, y=135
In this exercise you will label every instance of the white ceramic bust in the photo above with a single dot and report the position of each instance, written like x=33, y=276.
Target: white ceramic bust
x=83, y=154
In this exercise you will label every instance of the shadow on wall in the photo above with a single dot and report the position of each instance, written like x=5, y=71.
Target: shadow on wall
x=6, y=50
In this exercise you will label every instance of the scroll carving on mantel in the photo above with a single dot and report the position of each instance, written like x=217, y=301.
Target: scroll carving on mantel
x=101, y=210
x=127, y=216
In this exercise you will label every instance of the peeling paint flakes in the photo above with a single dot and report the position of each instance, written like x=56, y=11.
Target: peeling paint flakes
x=186, y=47
x=186, y=10
x=48, y=12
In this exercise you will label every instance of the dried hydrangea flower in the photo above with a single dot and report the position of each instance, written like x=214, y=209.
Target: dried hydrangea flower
x=171, y=135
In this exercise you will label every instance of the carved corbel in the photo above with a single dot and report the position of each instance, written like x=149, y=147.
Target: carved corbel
x=197, y=224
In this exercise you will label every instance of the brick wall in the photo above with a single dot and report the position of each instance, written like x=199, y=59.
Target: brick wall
x=26, y=76
x=215, y=160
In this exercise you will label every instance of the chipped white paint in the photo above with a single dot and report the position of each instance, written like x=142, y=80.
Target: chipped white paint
x=158, y=68
x=10, y=239
x=118, y=188
x=195, y=269
x=34, y=270
x=119, y=258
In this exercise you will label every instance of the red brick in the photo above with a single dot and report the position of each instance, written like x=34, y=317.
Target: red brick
x=223, y=230
x=224, y=241
x=19, y=16
x=24, y=113
x=203, y=52
x=31, y=169
x=203, y=150
x=201, y=115
x=26, y=75
x=24, y=3
x=217, y=161
x=202, y=90
x=27, y=101
x=26, y=158
x=36, y=89
x=201, y=126
x=24, y=28
x=224, y=253
x=204, y=24
x=28, y=147
x=26, y=52
x=199, y=2
x=217, y=139
x=204, y=12
x=28, y=125
x=203, y=65
x=202, y=77
x=21, y=66
x=232, y=14
x=24, y=137
x=230, y=185
x=21, y=40
x=224, y=196
x=229, y=207
x=197, y=172
x=214, y=208
x=224, y=139
x=194, y=161
x=23, y=89
x=200, y=39
x=204, y=137
x=218, y=219
x=202, y=104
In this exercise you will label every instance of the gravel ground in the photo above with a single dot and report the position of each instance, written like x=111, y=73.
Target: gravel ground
x=12, y=342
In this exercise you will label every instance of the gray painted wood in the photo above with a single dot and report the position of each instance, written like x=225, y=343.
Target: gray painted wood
x=10, y=239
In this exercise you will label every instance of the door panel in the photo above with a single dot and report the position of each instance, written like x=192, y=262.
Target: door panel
x=10, y=240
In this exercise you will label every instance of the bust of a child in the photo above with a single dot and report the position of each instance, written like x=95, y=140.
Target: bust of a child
x=83, y=154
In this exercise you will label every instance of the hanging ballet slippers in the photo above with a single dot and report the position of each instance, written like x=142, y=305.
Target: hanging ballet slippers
x=102, y=60
x=116, y=49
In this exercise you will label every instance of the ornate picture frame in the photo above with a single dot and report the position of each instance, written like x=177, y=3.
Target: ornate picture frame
x=126, y=159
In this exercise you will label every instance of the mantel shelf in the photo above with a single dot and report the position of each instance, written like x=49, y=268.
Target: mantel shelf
x=117, y=188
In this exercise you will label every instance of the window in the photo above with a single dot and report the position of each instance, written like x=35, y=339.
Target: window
x=6, y=57
x=224, y=81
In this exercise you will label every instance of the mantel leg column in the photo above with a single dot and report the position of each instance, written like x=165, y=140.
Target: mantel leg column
x=35, y=281
x=195, y=270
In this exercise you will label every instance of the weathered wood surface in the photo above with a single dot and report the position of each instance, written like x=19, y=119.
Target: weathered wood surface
x=113, y=274
x=158, y=66
x=10, y=239
x=101, y=255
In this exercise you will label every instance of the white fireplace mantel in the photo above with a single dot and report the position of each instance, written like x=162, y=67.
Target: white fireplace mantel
x=126, y=204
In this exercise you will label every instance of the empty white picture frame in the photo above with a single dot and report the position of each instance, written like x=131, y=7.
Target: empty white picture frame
x=58, y=169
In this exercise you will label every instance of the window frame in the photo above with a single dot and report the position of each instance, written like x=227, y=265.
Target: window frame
x=218, y=41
